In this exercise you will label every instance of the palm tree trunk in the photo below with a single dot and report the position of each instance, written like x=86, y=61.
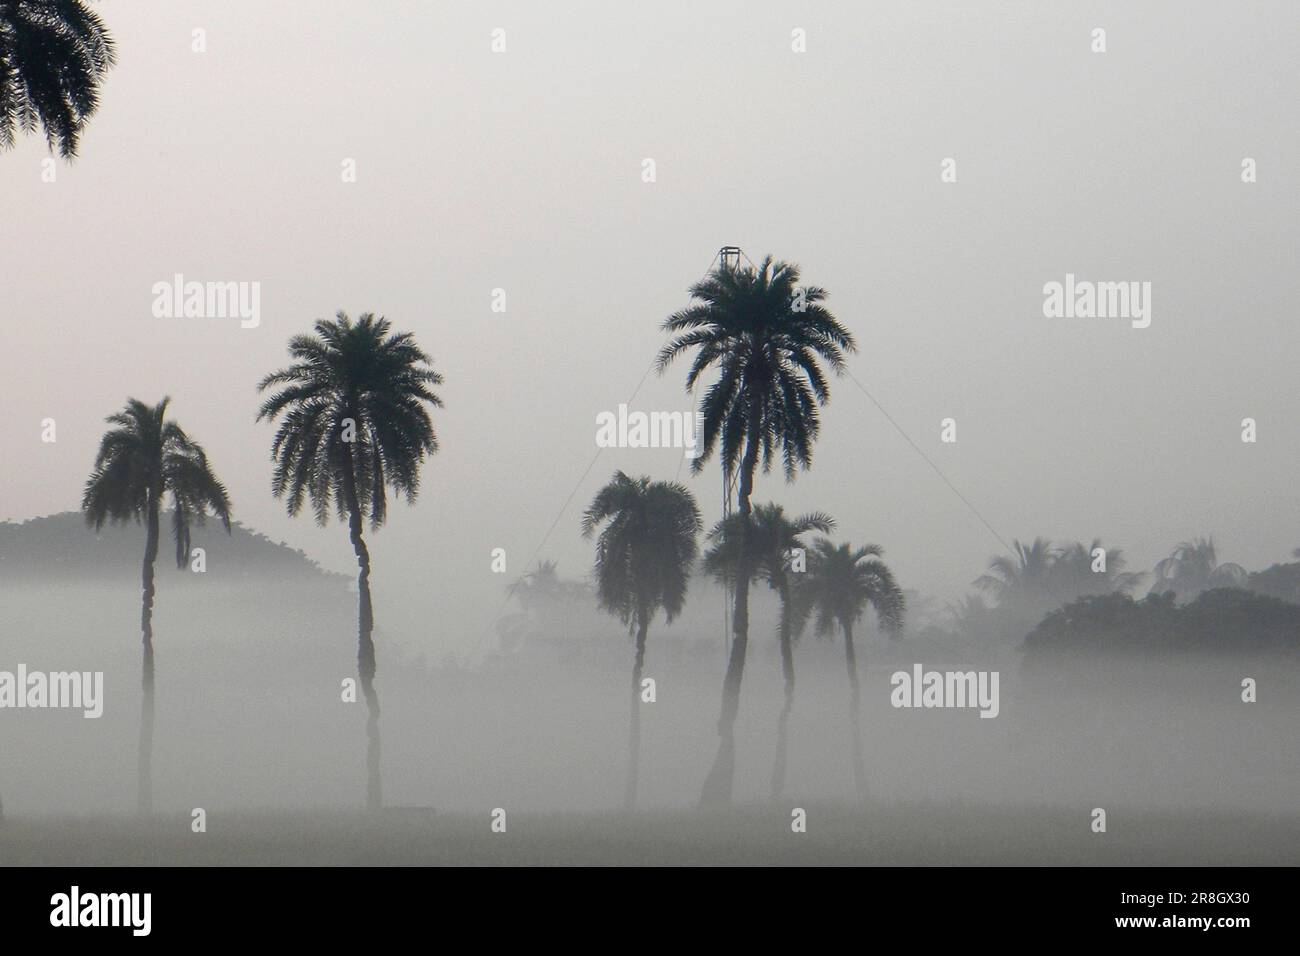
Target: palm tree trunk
x=718, y=784
x=365, y=641
x=855, y=729
x=634, y=728
x=144, y=781
x=782, y=724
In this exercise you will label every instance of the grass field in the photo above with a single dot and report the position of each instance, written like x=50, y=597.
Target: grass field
x=877, y=834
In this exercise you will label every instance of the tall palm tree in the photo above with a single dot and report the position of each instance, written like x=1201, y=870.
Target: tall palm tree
x=53, y=56
x=643, y=563
x=767, y=337
x=1194, y=567
x=772, y=539
x=354, y=424
x=144, y=459
x=841, y=582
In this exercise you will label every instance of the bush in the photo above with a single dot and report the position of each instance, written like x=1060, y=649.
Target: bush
x=1224, y=620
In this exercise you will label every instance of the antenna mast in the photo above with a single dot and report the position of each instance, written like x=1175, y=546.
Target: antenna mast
x=728, y=258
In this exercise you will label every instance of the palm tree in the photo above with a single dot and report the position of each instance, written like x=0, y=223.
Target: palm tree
x=1194, y=567
x=765, y=334
x=643, y=562
x=143, y=459
x=546, y=602
x=1025, y=578
x=53, y=56
x=772, y=539
x=354, y=424
x=1071, y=575
x=840, y=584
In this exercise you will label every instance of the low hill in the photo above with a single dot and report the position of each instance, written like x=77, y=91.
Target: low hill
x=62, y=547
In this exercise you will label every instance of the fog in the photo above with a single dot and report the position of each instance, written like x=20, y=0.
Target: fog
x=518, y=177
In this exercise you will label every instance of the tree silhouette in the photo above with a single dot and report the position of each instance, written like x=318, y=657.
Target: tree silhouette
x=1024, y=579
x=1072, y=576
x=772, y=539
x=354, y=424
x=765, y=335
x=643, y=563
x=1194, y=567
x=840, y=584
x=144, y=459
x=53, y=56
x=547, y=603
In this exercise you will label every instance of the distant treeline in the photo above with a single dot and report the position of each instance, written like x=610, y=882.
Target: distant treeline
x=1228, y=620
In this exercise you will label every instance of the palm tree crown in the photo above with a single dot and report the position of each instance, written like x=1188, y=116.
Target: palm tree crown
x=354, y=420
x=772, y=537
x=145, y=458
x=842, y=582
x=53, y=56
x=1025, y=575
x=1072, y=575
x=645, y=551
x=765, y=334
x=1194, y=567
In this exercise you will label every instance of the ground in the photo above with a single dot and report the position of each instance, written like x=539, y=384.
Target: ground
x=875, y=834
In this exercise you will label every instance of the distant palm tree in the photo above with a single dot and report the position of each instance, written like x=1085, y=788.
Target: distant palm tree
x=53, y=56
x=1024, y=578
x=841, y=582
x=643, y=563
x=765, y=334
x=1072, y=576
x=145, y=458
x=543, y=586
x=546, y=601
x=354, y=423
x=773, y=539
x=1194, y=567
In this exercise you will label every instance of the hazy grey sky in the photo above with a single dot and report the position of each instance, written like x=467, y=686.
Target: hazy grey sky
x=522, y=170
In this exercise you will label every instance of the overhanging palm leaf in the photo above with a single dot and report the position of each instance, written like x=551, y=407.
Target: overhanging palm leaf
x=53, y=56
